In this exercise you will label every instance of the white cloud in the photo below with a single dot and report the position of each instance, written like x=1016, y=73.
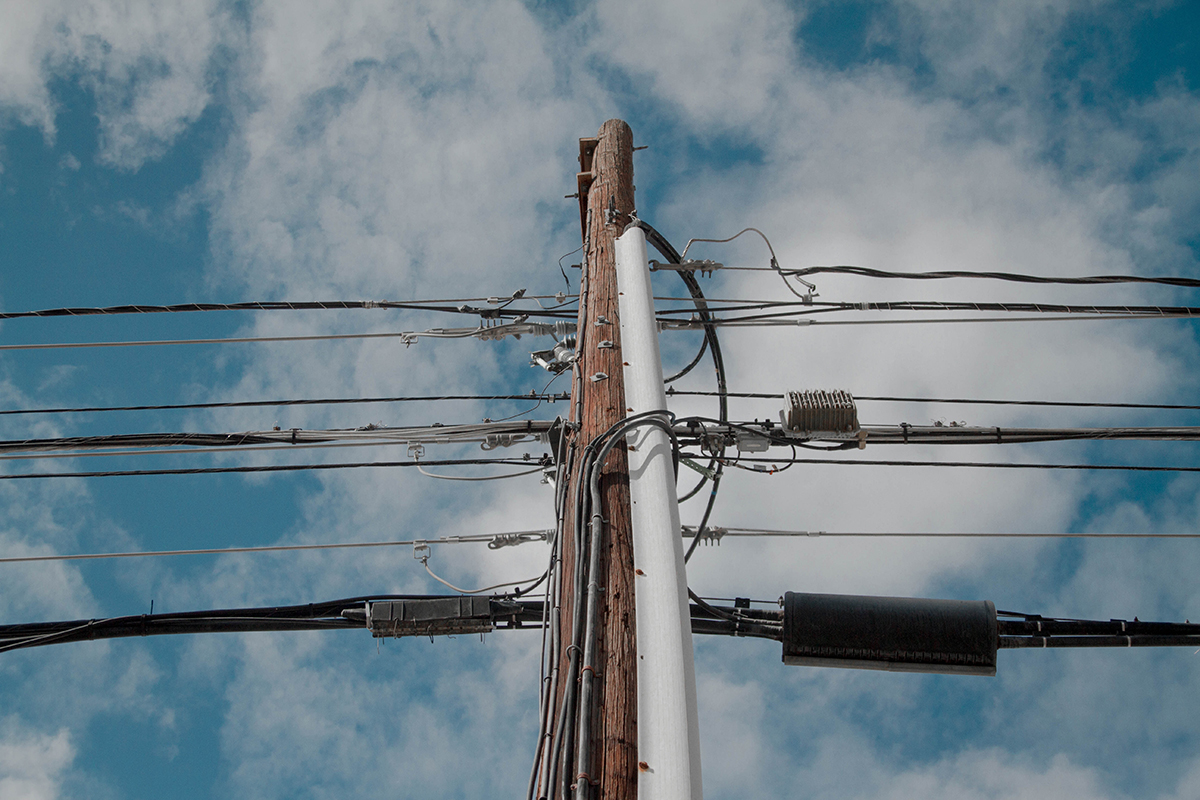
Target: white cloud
x=147, y=67
x=32, y=763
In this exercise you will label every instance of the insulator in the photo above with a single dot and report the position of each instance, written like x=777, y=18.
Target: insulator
x=819, y=412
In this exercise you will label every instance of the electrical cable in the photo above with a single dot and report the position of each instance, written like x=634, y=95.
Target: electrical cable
x=668, y=252
x=489, y=434
x=302, y=402
x=537, y=469
x=542, y=394
x=949, y=400
x=563, y=271
x=271, y=305
x=266, y=468
x=691, y=364
x=717, y=533
x=507, y=539
x=968, y=464
x=802, y=322
x=1097, y=311
x=774, y=262
x=868, y=272
x=444, y=582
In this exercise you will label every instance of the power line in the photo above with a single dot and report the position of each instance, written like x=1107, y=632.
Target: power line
x=551, y=398
x=281, y=305
x=716, y=533
x=1007, y=308
x=958, y=400
x=967, y=464
x=794, y=321
x=868, y=272
x=498, y=540
x=512, y=462
x=489, y=434
x=494, y=541
x=484, y=332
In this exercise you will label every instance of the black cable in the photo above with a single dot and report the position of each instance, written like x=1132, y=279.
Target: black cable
x=268, y=403
x=979, y=464
x=691, y=364
x=957, y=400
x=316, y=305
x=937, y=305
x=139, y=440
x=867, y=272
x=668, y=252
x=511, y=462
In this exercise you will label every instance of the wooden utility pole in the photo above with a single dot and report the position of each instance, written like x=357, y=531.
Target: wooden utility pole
x=605, y=183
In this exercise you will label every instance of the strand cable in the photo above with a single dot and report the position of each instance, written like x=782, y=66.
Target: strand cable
x=949, y=400
x=551, y=398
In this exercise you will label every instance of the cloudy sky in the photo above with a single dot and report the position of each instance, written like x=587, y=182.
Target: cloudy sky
x=211, y=151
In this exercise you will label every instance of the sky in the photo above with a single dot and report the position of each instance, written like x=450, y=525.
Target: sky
x=223, y=152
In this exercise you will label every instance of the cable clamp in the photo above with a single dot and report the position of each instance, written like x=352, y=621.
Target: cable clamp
x=514, y=539
x=495, y=440
x=421, y=550
x=416, y=451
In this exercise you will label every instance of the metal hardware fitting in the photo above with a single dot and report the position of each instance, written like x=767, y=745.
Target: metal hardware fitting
x=605, y=345
x=599, y=376
x=513, y=539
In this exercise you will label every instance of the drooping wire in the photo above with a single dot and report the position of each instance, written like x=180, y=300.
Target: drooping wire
x=563, y=271
x=691, y=365
x=534, y=582
x=540, y=396
x=774, y=261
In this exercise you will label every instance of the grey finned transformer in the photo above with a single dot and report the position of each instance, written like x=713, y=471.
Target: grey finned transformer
x=899, y=634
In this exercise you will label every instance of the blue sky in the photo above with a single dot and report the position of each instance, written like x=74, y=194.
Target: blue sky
x=216, y=151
